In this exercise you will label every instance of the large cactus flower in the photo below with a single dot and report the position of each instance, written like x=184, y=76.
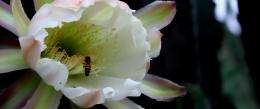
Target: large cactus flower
x=91, y=51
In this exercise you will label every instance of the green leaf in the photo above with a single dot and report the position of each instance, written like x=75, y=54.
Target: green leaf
x=236, y=81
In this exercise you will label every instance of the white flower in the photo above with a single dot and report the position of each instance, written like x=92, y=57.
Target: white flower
x=95, y=51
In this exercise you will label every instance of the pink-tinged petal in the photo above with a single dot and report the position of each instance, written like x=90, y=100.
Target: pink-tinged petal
x=157, y=14
x=11, y=60
x=52, y=72
x=65, y=11
x=84, y=97
x=45, y=97
x=112, y=87
x=5, y=6
x=39, y=22
x=6, y=19
x=148, y=64
x=154, y=38
x=161, y=89
x=117, y=3
x=16, y=95
x=73, y=4
x=124, y=6
x=122, y=104
x=31, y=49
x=39, y=3
x=21, y=19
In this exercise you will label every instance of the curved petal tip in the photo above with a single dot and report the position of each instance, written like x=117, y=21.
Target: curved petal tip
x=84, y=97
x=161, y=89
x=52, y=72
x=157, y=14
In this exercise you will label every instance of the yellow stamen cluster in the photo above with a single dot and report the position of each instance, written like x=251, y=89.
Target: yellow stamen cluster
x=72, y=42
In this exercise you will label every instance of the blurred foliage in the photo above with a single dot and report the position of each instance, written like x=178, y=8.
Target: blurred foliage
x=237, y=84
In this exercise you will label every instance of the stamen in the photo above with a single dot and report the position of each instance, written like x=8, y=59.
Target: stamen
x=72, y=43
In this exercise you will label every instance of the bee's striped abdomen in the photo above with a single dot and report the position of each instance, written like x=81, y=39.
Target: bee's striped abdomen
x=87, y=65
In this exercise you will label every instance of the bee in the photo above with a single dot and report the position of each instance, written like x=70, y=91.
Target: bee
x=87, y=65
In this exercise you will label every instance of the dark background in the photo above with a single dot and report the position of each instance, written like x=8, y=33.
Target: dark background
x=218, y=69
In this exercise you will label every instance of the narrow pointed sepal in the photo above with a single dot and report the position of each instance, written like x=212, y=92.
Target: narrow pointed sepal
x=45, y=97
x=16, y=95
x=157, y=14
x=122, y=104
x=161, y=89
x=21, y=19
x=6, y=19
x=11, y=60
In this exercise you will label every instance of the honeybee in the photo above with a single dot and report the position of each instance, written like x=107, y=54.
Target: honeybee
x=87, y=65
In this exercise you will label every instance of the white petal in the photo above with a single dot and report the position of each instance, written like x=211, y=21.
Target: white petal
x=84, y=97
x=127, y=54
x=105, y=12
x=132, y=87
x=154, y=38
x=74, y=92
x=39, y=3
x=73, y=4
x=52, y=72
x=114, y=88
x=117, y=3
x=99, y=14
x=109, y=92
x=31, y=49
x=65, y=11
x=54, y=19
x=122, y=104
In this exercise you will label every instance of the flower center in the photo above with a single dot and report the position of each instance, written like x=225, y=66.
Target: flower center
x=76, y=44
